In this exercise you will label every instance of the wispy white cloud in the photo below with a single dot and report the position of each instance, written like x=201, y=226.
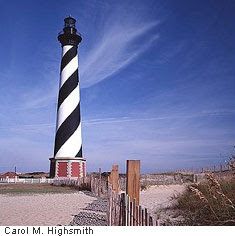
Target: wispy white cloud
x=39, y=99
x=170, y=52
x=124, y=119
x=115, y=51
x=178, y=116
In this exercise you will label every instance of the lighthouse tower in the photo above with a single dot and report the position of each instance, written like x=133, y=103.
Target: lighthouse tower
x=68, y=161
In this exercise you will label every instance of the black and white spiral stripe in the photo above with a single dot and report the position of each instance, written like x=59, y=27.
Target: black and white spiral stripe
x=68, y=141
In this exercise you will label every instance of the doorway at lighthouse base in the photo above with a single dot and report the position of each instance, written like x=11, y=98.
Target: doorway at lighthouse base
x=67, y=167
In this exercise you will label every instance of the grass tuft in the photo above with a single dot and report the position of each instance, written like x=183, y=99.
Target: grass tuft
x=208, y=203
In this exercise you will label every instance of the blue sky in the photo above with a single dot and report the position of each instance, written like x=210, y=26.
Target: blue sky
x=157, y=82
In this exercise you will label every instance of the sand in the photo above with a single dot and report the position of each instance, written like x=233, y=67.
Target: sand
x=41, y=209
x=157, y=198
x=59, y=209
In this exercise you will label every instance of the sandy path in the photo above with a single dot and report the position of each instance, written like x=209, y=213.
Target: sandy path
x=157, y=198
x=43, y=209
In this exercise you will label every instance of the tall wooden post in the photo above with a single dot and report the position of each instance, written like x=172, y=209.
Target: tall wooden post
x=133, y=180
x=114, y=178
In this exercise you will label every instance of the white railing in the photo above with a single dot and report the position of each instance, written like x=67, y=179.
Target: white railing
x=26, y=180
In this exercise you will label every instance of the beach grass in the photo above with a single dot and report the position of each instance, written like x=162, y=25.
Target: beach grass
x=208, y=203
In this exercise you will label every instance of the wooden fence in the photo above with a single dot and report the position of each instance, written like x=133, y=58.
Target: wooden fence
x=123, y=212
x=98, y=186
x=206, y=169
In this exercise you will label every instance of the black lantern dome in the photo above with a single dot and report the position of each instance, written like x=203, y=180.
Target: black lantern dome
x=69, y=35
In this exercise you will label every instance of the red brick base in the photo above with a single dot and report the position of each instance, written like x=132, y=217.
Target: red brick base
x=62, y=169
x=68, y=167
x=75, y=169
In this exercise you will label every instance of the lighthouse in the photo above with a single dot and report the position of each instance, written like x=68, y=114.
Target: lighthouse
x=68, y=161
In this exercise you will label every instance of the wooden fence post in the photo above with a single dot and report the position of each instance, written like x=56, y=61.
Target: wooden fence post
x=109, y=214
x=131, y=214
x=114, y=178
x=133, y=180
x=121, y=216
x=146, y=216
x=134, y=212
x=137, y=215
x=127, y=210
x=99, y=184
x=124, y=210
x=140, y=216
